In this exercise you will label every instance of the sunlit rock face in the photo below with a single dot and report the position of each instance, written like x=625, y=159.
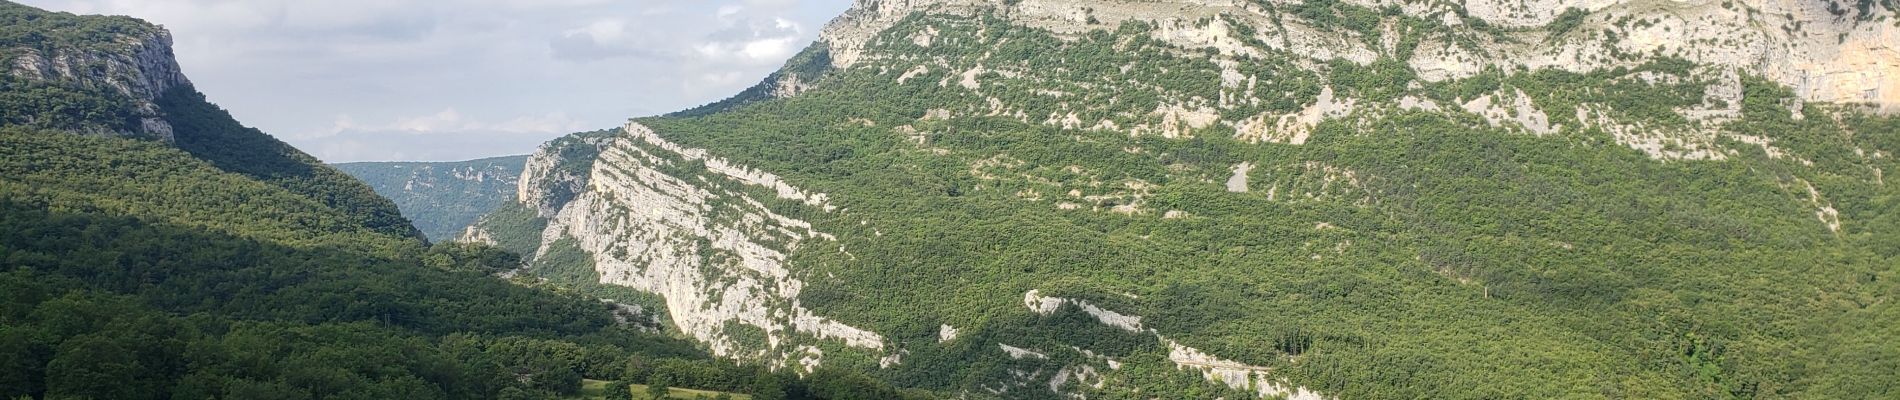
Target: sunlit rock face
x=721, y=241
x=700, y=240
x=1828, y=51
x=138, y=66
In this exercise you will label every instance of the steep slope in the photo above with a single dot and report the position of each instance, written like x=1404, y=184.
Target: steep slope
x=442, y=198
x=1319, y=199
x=115, y=76
x=152, y=248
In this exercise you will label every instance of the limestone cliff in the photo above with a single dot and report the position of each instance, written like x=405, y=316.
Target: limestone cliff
x=557, y=173
x=135, y=62
x=1116, y=137
x=694, y=229
x=117, y=76
x=1830, y=51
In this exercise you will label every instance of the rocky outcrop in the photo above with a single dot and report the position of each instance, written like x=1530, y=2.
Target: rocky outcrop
x=1238, y=182
x=1236, y=374
x=1829, y=52
x=1294, y=128
x=715, y=238
x=140, y=67
x=1212, y=368
x=1515, y=109
x=696, y=237
x=553, y=176
x=1049, y=305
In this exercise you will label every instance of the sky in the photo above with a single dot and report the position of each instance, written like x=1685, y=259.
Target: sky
x=438, y=80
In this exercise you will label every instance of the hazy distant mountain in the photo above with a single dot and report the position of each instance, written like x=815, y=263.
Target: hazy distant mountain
x=442, y=198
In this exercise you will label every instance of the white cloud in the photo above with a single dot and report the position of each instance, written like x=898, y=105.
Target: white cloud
x=606, y=39
x=754, y=51
x=446, y=135
x=753, y=41
x=451, y=121
x=447, y=120
x=726, y=12
x=339, y=76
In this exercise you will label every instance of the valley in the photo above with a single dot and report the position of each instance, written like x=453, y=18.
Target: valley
x=1024, y=199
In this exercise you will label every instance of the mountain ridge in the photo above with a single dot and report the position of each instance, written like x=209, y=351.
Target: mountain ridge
x=442, y=198
x=116, y=76
x=1261, y=199
x=1852, y=58
x=141, y=67
x=207, y=259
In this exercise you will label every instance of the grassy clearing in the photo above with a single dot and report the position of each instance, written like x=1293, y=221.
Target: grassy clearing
x=593, y=389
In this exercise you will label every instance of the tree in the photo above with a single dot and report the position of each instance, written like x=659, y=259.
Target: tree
x=513, y=393
x=619, y=390
x=768, y=387
x=24, y=358
x=658, y=391
x=86, y=363
x=638, y=369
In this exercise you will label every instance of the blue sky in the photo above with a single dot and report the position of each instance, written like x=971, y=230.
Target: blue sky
x=435, y=80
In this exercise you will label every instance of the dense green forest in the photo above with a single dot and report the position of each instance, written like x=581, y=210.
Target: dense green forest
x=442, y=198
x=25, y=26
x=74, y=106
x=211, y=134
x=49, y=106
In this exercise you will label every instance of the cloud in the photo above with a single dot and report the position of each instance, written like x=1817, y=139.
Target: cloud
x=357, y=146
x=753, y=41
x=451, y=121
x=729, y=11
x=481, y=73
x=605, y=39
x=447, y=135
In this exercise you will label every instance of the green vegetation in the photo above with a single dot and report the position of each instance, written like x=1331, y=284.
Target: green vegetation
x=690, y=394
x=807, y=66
x=1341, y=16
x=51, y=106
x=28, y=35
x=227, y=264
x=442, y=198
x=27, y=27
x=131, y=262
x=86, y=104
x=194, y=282
x=209, y=133
x=1397, y=254
x=1567, y=22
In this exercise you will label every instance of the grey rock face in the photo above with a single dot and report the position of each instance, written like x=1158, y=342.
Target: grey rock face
x=716, y=254
x=1824, y=55
x=546, y=186
x=141, y=68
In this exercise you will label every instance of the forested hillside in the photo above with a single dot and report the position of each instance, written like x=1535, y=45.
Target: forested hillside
x=442, y=198
x=116, y=76
x=131, y=262
x=152, y=247
x=1264, y=199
